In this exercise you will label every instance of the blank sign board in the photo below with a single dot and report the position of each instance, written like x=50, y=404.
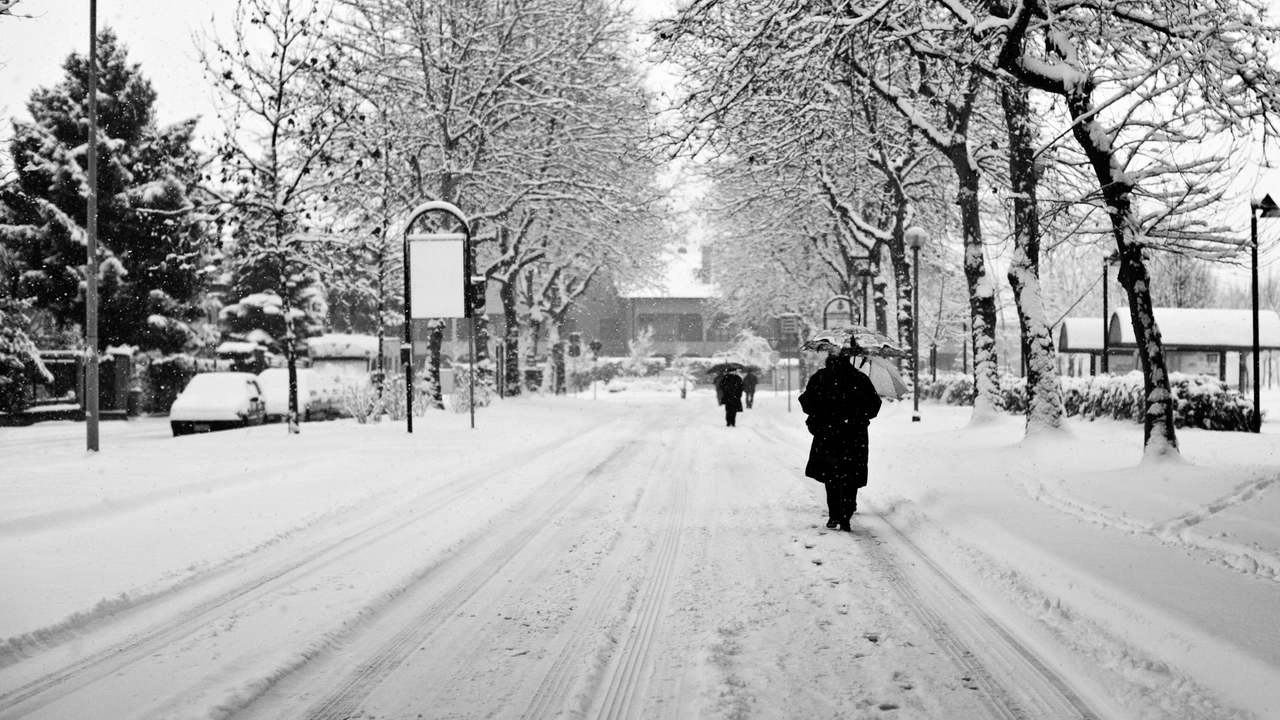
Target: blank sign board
x=436, y=275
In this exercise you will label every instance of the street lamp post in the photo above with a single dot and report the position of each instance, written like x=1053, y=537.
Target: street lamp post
x=1267, y=208
x=1104, y=365
x=916, y=237
x=866, y=273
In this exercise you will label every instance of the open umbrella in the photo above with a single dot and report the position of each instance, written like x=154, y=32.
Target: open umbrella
x=724, y=367
x=863, y=340
x=884, y=376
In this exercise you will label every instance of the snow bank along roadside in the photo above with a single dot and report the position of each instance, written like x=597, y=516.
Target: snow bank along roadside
x=1157, y=582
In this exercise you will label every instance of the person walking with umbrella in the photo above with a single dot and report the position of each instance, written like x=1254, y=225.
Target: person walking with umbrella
x=840, y=401
x=731, y=392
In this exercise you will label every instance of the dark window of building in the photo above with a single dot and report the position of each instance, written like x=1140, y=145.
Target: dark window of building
x=665, y=327
x=690, y=328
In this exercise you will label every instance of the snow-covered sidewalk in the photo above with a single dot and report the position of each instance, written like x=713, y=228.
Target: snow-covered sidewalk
x=1159, y=581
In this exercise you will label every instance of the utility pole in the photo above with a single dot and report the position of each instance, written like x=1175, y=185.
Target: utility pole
x=91, y=261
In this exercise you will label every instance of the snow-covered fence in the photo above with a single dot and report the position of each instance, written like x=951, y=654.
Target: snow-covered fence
x=1200, y=401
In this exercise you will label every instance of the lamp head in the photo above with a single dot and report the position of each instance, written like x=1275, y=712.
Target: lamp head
x=916, y=237
x=1267, y=206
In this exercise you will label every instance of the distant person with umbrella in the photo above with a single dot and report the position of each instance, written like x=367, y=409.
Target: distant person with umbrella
x=749, y=387
x=730, y=386
x=840, y=401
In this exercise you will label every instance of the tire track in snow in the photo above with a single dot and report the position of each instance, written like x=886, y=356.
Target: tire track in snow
x=626, y=671
x=553, y=692
x=1042, y=693
x=113, y=658
x=358, y=685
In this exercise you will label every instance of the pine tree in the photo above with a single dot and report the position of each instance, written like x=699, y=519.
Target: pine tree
x=150, y=245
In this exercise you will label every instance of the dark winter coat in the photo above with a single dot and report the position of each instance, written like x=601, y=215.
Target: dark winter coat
x=840, y=401
x=749, y=382
x=731, y=392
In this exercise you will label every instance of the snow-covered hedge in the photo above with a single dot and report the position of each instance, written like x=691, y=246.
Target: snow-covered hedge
x=607, y=368
x=19, y=358
x=161, y=378
x=1200, y=401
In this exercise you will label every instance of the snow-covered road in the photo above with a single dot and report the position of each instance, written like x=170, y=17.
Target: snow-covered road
x=623, y=558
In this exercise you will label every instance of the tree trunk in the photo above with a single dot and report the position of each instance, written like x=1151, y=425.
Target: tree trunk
x=1158, y=435
x=510, y=341
x=435, y=339
x=531, y=350
x=902, y=283
x=879, y=302
x=557, y=360
x=982, y=302
x=1044, y=389
x=291, y=361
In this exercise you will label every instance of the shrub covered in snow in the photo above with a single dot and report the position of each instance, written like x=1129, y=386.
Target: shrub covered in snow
x=952, y=389
x=1200, y=401
x=161, y=378
x=19, y=358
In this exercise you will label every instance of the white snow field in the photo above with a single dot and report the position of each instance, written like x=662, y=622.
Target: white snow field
x=631, y=557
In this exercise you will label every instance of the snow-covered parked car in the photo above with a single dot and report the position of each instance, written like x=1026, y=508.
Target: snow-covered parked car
x=275, y=390
x=216, y=401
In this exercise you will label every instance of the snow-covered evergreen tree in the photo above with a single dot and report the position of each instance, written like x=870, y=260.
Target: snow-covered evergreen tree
x=149, y=243
x=19, y=358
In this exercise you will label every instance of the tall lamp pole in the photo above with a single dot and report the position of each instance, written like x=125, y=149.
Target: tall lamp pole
x=1104, y=365
x=91, y=261
x=866, y=273
x=916, y=237
x=1267, y=208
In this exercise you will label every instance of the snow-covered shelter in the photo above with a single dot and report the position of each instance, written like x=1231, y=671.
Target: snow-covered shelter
x=1080, y=347
x=1208, y=341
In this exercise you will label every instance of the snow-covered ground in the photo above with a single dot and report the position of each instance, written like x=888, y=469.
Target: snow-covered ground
x=629, y=556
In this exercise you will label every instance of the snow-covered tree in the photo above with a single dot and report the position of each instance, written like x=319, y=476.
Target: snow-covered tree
x=276, y=165
x=151, y=248
x=1153, y=96
x=534, y=124
x=19, y=359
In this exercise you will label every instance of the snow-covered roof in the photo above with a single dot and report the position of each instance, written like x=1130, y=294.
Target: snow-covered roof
x=337, y=345
x=682, y=280
x=232, y=347
x=1199, y=328
x=1080, y=335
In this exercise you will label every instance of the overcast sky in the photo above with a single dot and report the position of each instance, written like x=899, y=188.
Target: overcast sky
x=158, y=34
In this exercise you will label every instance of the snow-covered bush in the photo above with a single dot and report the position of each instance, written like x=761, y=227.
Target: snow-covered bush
x=19, y=358
x=1200, y=401
x=361, y=401
x=641, y=353
x=1014, y=391
x=162, y=378
x=460, y=398
x=753, y=349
